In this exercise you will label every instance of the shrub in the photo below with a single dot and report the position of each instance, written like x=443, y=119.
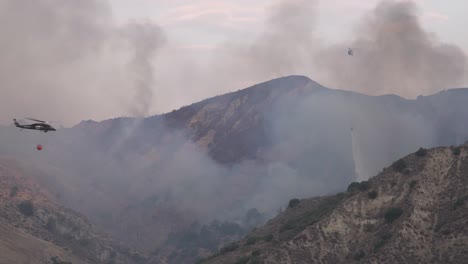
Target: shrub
x=243, y=260
x=251, y=241
x=310, y=217
x=460, y=201
x=84, y=242
x=138, y=258
x=229, y=248
x=358, y=186
x=268, y=238
x=368, y=228
x=413, y=184
x=359, y=255
x=372, y=195
x=392, y=214
x=26, y=208
x=386, y=236
x=288, y=226
x=255, y=260
x=379, y=244
x=456, y=151
x=364, y=186
x=421, y=152
x=51, y=224
x=354, y=186
x=383, y=239
x=56, y=260
x=399, y=165
x=256, y=253
x=14, y=191
x=293, y=203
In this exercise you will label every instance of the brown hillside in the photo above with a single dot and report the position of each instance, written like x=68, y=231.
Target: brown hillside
x=415, y=211
x=33, y=229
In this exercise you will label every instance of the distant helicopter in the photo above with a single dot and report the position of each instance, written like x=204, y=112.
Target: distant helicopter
x=350, y=52
x=43, y=126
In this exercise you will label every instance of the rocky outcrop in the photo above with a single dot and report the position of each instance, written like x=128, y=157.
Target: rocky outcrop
x=414, y=211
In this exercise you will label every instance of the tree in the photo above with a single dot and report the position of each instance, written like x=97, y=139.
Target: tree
x=14, y=191
x=372, y=195
x=293, y=203
x=26, y=208
x=399, y=165
x=421, y=152
x=392, y=214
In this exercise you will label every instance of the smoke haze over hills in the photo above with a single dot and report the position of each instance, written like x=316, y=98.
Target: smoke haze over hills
x=70, y=61
x=142, y=178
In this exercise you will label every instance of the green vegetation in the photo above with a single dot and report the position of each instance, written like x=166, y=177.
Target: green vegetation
x=26, y=208
x=253, y=218
x=51, y=224
x=138, y=258
x=287, y=226
x=228, y=248
x=84, y=242
x=56, y=260
x=256, y=253
x=326, y=206
x=359, y=186
x=255, y=260
x=251, y=241
x=293, y=203
x=359, y=255
x=372, y=195
x=460, y=202
x=392, y=214
x=207, y=237
x=383, y=239
x=456, y=151
x=368, y=228
x=243, y=260
x=14, y=191
x=268, y=238
x=399, y=165
x=421, y=152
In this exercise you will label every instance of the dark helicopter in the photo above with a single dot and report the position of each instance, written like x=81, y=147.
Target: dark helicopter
x=40, y=125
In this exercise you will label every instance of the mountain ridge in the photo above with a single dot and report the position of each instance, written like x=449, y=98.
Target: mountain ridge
x=413, y=211
x=34, y=228
x=252, y=149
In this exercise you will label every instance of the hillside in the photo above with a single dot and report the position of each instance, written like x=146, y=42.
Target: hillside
x=34, y=229
x=414, y=211
x=149, y=181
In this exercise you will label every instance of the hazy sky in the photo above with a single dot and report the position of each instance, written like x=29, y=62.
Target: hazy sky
x=68, y=61
x=202, y=24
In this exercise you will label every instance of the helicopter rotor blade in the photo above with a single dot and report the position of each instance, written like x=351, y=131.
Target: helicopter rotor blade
x=37, y=120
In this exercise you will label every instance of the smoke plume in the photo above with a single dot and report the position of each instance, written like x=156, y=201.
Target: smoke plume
x=394, y=55
x=69, y=61
x=145, y=39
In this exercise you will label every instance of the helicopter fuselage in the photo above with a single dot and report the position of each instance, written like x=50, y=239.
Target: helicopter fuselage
x=37, y=126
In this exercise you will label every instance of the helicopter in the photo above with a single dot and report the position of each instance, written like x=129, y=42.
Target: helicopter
x=350, y=52
x=40, y=125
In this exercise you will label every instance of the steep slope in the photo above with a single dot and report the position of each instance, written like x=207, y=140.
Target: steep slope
x=34, y=229
x=234, y=126
x=19, y=247
x=414, y=211
x=146, y=181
